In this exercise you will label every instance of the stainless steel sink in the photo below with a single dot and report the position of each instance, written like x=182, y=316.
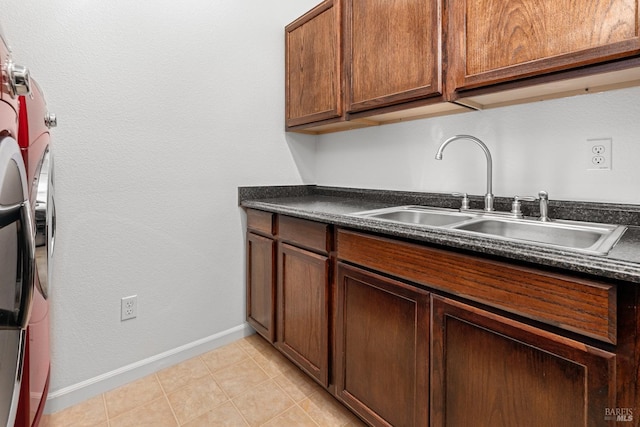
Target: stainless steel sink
x=418, y=215
x=585, y=237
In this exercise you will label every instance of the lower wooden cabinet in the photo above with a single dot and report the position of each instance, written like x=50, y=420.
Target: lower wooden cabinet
x=260, y=284
x=409, y=335
x=303, y=310
x=303, y=294
x=261, y=273
x=488, y=370
x=382, y=347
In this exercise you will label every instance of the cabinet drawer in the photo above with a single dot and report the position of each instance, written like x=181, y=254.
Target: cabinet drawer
x=260, y=221
x=584, y=306
x=304, y=233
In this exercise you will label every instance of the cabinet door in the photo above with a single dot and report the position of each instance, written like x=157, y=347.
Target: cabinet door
x=493, y=41
x=261, y=285
x=488, y=370
x=382, y=340
x=392, y=51
x=303, y=312
x=313, y=75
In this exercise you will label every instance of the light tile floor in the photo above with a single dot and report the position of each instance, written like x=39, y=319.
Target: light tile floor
x=245, y=383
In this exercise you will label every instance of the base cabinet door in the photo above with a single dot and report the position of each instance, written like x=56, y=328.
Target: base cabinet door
x=487, y=370
x=261, y=284
x=303, y=310
x=382, y=335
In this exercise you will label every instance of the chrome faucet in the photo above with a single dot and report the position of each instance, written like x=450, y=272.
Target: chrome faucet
x=488, y=197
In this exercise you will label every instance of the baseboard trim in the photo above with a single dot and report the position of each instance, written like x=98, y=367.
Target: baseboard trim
x=76, y=393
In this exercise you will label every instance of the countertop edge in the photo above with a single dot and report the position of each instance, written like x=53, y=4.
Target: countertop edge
x=603, y=267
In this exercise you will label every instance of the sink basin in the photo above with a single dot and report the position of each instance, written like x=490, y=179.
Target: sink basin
x=418, y=215
x=586, y=237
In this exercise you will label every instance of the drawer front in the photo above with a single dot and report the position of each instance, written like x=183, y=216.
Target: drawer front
x=260, y=221
x=304, y=233
x=583, y=306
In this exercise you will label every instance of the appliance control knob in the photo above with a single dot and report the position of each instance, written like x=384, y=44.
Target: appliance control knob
x=50, y=120
x=19, y=80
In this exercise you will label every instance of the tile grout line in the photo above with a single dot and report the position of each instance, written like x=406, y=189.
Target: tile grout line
x=288, y=408
x=239, y=412
x=109, y=418
x=229, y=399
x=295, y=403
x=166, y=398
x=219, y=386
x=246, y=391
x=309, y=398
x=106, y=409
x=269, y=378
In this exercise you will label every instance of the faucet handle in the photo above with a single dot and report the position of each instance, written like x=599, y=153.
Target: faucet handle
x=465, y=200
x=526, y=198
x=516, y=205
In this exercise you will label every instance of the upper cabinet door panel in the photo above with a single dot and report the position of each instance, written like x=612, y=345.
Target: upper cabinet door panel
x=392, y=51
x=492, y=41
x=313, y=86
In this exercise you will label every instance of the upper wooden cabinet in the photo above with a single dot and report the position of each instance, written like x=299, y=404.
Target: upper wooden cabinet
x=392, y=51
x=313, y=66
x=360, y=63
x=352, y=64
x=496, y=41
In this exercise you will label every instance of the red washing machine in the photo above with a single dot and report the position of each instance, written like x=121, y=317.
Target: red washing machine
x=27, y=229
x=17, y=240
x=34, y=140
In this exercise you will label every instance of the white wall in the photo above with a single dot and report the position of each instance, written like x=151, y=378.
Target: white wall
x=534, y=146
x=164, y=109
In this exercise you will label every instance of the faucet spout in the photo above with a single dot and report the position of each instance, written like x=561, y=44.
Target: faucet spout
x=488, y=197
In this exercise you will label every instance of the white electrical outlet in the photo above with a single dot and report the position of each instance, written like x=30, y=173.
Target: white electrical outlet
x=129, y=307
x=599, y=154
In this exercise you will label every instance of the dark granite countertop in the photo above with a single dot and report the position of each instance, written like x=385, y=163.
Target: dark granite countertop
x=334, y=205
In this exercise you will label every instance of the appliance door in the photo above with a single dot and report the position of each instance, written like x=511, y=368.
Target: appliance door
x=37, y=360
x=17, y=260
x=45, y=221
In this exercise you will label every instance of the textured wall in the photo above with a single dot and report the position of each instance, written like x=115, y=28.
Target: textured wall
x=164, y=109
x=535, y=146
